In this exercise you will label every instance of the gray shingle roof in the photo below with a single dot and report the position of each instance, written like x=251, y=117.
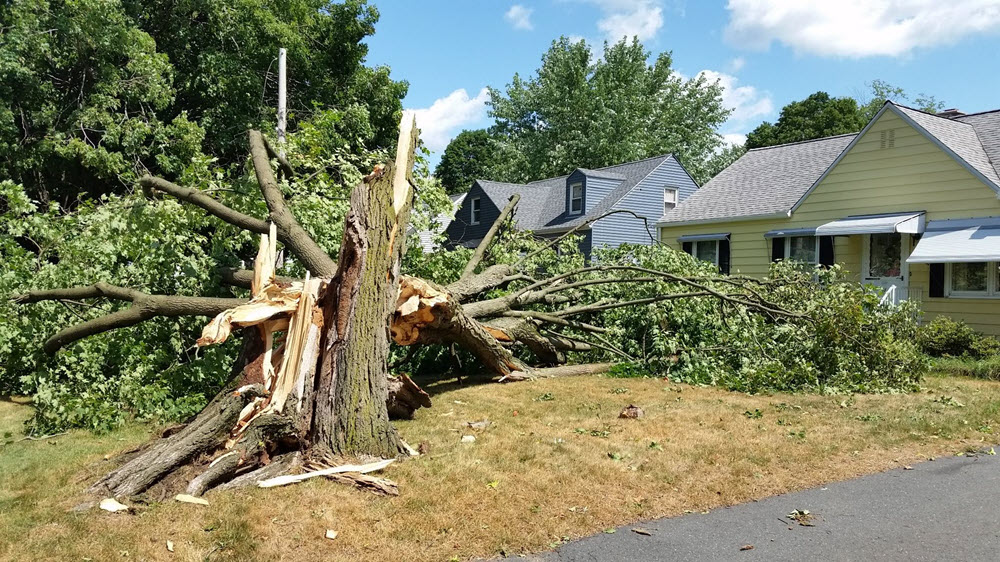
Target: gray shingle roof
x=961, y=137
x=764, y=181
x=443, y=220
x=542, y=207
x=987, y=126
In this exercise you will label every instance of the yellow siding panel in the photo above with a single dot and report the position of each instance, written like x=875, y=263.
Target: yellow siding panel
x=913, y=175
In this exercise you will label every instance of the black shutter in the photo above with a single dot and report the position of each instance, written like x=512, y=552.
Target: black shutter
x=826, y=251
x=724, y=256
x=687, y=247
x=777, y=249
x=937, y=280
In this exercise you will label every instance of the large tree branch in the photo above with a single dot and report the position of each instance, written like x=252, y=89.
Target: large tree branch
x=144, y=307
x=283, y=163
x=292, y=234
x=243, y=278
x=484, y=244
x=209, y=204
x=584, y=224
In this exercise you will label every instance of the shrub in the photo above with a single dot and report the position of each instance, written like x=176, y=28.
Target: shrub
x=844, y=341
x=944, y=337
x=988, y=368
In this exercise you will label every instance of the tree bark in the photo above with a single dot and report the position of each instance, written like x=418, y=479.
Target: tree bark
x=350, y=414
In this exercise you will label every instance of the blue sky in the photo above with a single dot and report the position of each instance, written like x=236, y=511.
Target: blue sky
x=766, y=53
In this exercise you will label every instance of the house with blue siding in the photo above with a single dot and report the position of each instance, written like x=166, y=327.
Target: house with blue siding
x=550, y=207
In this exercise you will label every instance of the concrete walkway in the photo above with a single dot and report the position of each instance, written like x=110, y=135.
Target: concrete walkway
x=947, y=509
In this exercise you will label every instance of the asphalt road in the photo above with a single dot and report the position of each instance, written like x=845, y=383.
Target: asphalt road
x=946, y=509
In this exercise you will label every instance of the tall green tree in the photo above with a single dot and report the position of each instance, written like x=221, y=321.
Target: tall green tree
x=94, y=93
x=471, y=155
x=821, y=115
x=580, y=112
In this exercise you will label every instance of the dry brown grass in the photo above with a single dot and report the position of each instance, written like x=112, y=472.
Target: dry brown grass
x=564, y=466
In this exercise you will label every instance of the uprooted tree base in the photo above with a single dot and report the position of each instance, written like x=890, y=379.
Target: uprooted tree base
x=311, y=387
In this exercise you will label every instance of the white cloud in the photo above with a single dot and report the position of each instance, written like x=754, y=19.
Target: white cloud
x=731, y=139
x=628, y=18
x=440, y=122
x=736, y=65
x=858, y=28
x=747, y=102
x=519, y=17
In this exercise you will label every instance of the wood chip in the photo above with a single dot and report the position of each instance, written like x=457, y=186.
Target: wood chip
x=468, y=439
x=293, y=478
x=170, y=546
x=641, y=531
x=747, y=547
x=112, y=505
x=331, y=534
x=190, y=499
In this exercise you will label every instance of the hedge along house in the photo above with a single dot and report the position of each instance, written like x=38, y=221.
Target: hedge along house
x=910, y=204
x=553, y=206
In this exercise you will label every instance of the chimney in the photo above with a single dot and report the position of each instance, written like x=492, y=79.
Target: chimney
x=950, y=113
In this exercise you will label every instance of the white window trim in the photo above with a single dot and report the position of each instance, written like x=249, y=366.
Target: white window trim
x=992, y=284
x=788, y=248
x=694, y=250
x=572, y=186
x=672, y=202
x=475, y=210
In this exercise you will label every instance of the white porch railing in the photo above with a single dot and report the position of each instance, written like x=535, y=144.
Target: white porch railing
x=889, y=297
x=894, y=295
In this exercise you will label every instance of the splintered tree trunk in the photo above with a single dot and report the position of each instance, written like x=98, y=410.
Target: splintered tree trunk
x=350, y=414
x=321, y=394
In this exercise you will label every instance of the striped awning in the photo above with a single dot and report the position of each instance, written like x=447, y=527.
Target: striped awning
x=912, y=223
x=957, y=241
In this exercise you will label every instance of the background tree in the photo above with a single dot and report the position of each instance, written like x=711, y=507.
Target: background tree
x=880, y=91
x=578, y=112
x=95, y=93
x=821, y=115
x=817, y=116
x=471, y=155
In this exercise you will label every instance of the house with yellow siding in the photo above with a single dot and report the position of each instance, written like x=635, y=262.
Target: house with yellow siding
x=910, y=205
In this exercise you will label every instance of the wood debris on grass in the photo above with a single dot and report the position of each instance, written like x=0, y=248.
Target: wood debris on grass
x=170, y=546
x=186, y=498
x=293, y=478
x=112, y=505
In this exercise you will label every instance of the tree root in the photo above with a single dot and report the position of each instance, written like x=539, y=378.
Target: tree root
x=279, y=465
x=203, y=434
x=250, y=451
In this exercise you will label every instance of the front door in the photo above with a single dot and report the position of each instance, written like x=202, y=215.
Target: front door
x=885, y=264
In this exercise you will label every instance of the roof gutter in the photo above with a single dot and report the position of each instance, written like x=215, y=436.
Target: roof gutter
x=778, y=215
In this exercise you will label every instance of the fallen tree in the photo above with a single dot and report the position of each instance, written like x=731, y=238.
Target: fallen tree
x=312, y=385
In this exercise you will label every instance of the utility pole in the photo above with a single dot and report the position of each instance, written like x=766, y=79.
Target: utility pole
x=282, y=103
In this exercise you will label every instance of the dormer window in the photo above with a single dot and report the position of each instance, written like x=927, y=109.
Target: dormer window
x=669, y=198
x=575, y=198
x=474, y=211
